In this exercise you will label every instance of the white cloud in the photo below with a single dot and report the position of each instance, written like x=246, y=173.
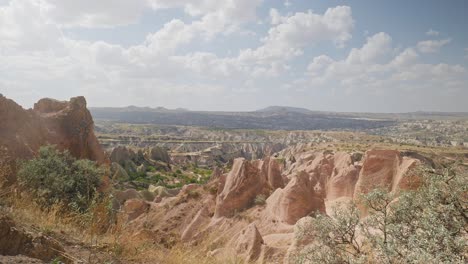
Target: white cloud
x=376, y=49
x=90, y=13
x=275, y=17
x=24, y=26
x=287, y=3
x=432, y=33
x=431, y=46
x=288, y=38
x=374, y=69
x=38, y=60
x=239, y=10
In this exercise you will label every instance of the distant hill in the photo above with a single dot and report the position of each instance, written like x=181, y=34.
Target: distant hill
x=284, y=109
x=274, y=118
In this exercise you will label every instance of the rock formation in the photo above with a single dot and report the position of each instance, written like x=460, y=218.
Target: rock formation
x=249, y=244
x=295, y=201
x=68, y=125
x=383, y=169
x=160, y=154
x=243, y=183
x=16, y=241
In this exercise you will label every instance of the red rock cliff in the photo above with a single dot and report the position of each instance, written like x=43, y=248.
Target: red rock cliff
x=69, y=125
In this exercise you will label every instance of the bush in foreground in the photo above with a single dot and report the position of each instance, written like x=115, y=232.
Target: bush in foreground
x=55, y=177
x=427, y=225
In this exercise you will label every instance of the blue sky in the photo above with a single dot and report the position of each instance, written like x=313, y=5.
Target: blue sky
x=355, y=56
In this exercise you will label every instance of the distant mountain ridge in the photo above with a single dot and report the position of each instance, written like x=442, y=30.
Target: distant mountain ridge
x=272, y=118
x=284, y=109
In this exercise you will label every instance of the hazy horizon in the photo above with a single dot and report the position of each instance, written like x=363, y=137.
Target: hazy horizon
x=245, y=55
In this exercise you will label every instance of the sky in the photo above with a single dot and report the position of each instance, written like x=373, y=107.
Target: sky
x=238, y=55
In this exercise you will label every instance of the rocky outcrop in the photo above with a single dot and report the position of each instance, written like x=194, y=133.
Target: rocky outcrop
x=343, y=178
x=160, y=154
x=315, y=178
x=200, y=218
x=122, y=154
x=271, y=169
x=246, y=180
x=384, y=169
x=133, y=208
x=68, y=125
x=295, y=201
x=243, y=183
x=249, y=244
x=16, y=241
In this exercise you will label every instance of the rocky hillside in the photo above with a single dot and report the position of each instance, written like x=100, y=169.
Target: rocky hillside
x=254, y=209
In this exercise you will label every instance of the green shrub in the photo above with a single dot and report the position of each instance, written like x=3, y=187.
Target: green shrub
x=260, y=199
x=56, y=177
x=426, y=225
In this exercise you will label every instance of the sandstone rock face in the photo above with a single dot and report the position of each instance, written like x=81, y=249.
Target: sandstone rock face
x=295, y=201
x=15, y=241
x=68, y=125
x=71, y=127
x=243, y=183
x=247, y=179
x=316, y=178
x=383, y=169
x=160, y=154
x=249, y=244
x=201, y=217
x=122, y=196
x=343, y=178
x=122, y=154
x=133, y=208
x=271, y=170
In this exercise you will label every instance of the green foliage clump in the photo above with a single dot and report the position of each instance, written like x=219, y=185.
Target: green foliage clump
x=426, y=225
x=260, y=199
x=55, y=177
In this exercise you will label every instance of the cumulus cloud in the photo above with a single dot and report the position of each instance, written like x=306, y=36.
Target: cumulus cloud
x=432, y=33
x=431, y=46
x=288, y=38
x=239, y=10
x=89, y=13
x=163, y=69
x=376, y=49
x=275, y=17
x=374, y=69
x=24, y=26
